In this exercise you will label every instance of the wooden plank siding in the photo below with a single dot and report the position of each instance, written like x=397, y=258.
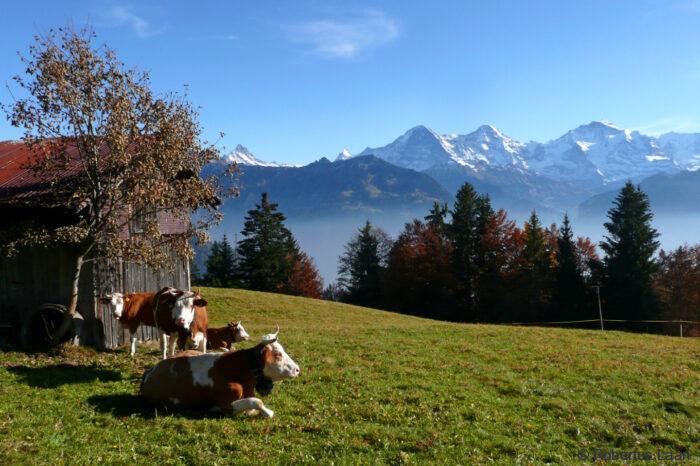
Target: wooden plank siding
x=41, y=276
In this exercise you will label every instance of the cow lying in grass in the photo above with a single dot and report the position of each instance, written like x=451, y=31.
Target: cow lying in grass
x=225, y=381
x=170, y=310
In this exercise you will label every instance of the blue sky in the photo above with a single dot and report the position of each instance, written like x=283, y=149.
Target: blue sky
x=295, y=81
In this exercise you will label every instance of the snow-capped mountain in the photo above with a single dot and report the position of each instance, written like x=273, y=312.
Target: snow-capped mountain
x=683, y=148
x=599, y=152
x=242, y=156
x=593, y=155
x=344, y=155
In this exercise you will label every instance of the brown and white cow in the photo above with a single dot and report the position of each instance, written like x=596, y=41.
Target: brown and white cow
x=225, y=337
x=225, y=381
x=169, y=309
x=196, y=336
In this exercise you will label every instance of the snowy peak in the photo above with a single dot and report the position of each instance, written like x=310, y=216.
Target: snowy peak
x=242, y=156
x=419, y=148
x=344, y=155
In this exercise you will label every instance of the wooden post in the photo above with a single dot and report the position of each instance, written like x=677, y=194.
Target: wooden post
x=600, y=308
x=681, y=327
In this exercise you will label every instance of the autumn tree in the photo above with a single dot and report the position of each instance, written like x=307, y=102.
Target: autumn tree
x=419, y=278
x=677, y=283
x=629, y=263
x=112, y=152
x=362, y=265
x=500, y=248
x=268, y=251
x=304, y=279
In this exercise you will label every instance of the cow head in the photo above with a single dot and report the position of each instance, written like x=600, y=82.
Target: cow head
x=278, y=364
x=238, y=333
x=182, y=309
x=115, y=301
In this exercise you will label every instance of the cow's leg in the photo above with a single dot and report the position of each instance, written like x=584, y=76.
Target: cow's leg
x=172, y=342
x=133, y=344
x=204, y=345
x=164, y=344
x=246, y=404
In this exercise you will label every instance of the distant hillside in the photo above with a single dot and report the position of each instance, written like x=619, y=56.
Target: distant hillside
x=668, y=194
x=356, y=186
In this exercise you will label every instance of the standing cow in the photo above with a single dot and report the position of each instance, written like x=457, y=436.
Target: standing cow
x=226, y=381
x=170, y=310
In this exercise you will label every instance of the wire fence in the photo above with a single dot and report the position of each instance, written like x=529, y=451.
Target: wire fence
x=682, y=328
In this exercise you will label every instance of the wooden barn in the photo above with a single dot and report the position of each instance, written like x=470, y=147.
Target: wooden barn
x=38, y=276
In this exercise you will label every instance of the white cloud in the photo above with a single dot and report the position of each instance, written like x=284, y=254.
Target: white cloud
x=347, y=38
x=667, y=125
x=216, y=37
x=120, y=15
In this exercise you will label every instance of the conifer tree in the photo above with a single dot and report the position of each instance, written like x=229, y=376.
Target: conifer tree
x=629, y=262
x=436, y=218
x=463, y=234
x=470, y=216
x=268, y=252
x=221, y=264
x=569, y=297
x=535, y=268
x=362, y=265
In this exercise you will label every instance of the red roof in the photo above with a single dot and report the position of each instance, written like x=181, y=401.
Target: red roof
x=19, y=184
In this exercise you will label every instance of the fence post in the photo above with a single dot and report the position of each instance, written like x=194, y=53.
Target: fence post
x=600, y=308
x=681, y=327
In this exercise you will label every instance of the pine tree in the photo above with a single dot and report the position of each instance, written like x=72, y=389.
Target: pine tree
x=268, y=251
x=569, y=296
x=362, y=265
x=464, y=234
x=221, y=264
x=629, y=262
x=535, y=268
x=436, y=218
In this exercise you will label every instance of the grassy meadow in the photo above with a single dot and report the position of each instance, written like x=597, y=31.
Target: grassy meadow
x=376, y=387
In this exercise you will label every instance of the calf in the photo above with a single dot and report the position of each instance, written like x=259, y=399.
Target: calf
x=196, y=336
x=225, y=381
x=170, y=310
x=225, y=337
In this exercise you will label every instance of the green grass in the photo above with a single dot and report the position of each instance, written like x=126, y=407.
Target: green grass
x=376, y=387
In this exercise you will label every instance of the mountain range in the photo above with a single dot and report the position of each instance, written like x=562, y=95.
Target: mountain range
x=579, y=172
x=553, y=176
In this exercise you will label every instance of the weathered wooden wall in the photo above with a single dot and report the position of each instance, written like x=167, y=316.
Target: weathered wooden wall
x=128, y=277
x=41, y=276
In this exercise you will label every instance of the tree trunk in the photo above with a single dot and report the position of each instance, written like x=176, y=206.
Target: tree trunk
x=73, y=303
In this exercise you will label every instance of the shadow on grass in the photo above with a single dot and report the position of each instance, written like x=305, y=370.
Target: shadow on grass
x=127, y=405
x=62, y=374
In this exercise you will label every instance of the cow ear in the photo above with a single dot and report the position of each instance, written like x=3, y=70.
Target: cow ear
x=200, y=302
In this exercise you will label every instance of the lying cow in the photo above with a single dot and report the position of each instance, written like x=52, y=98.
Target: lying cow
x=225, y=337
x=224, y=381
x=170, y=310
